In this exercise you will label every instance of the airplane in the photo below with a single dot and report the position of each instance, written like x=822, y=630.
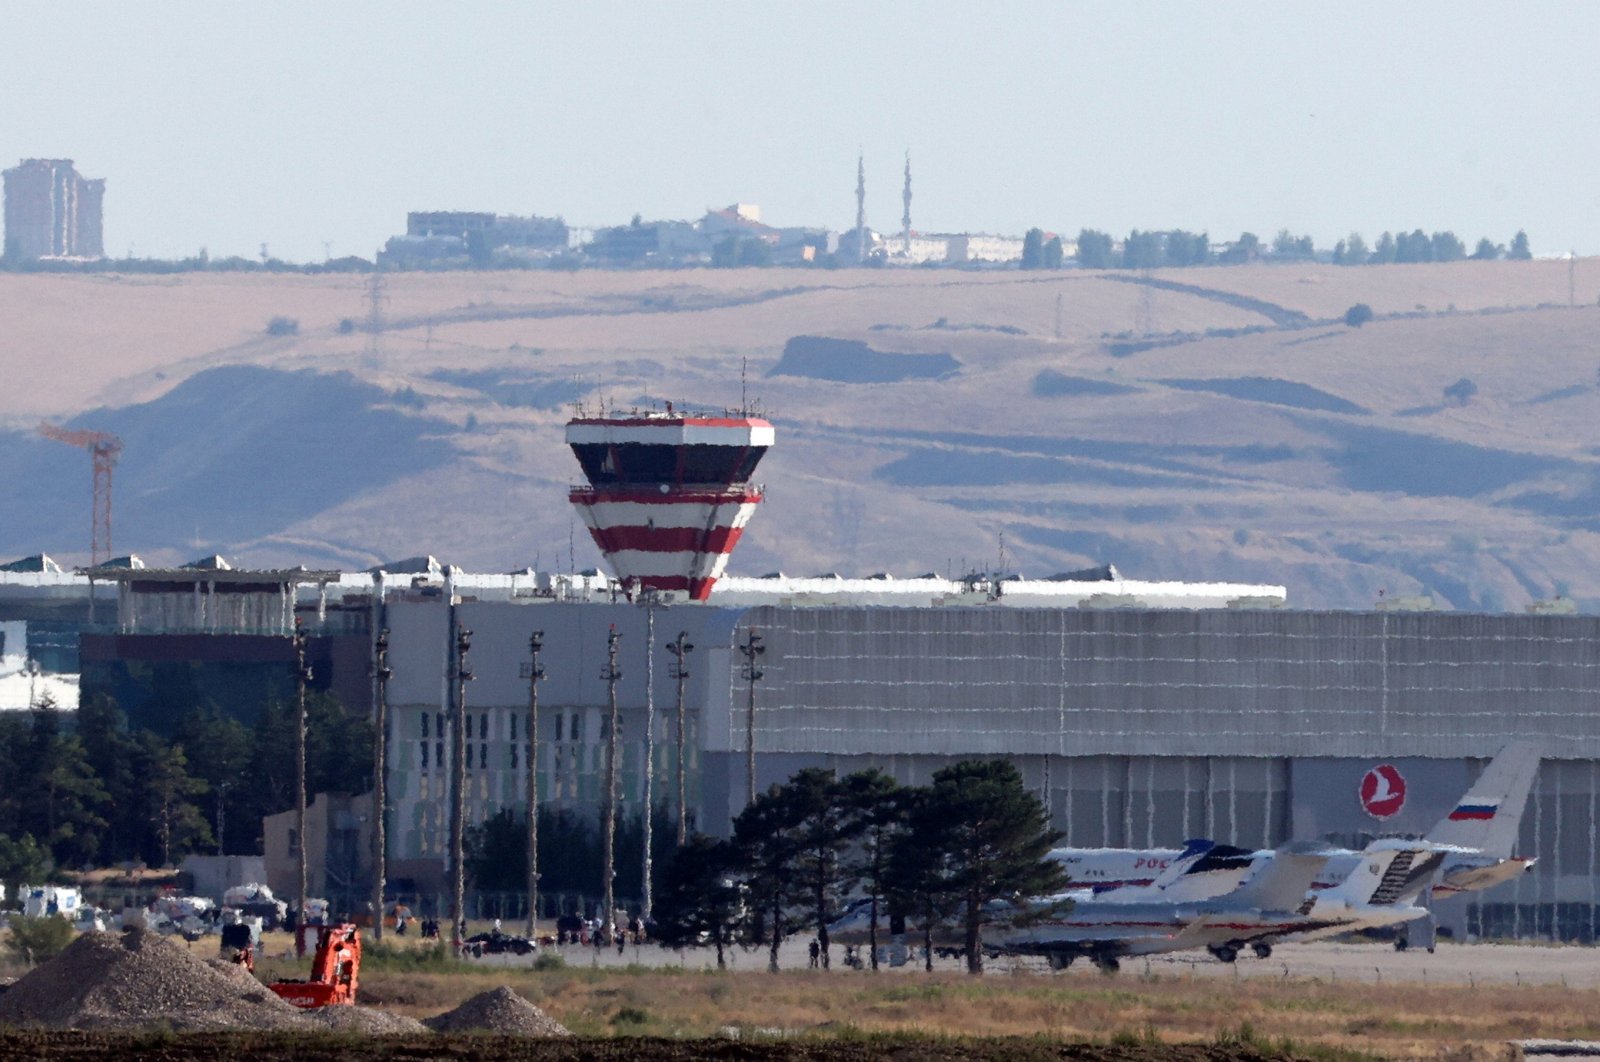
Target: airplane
x=1479, y=836
x=1273, y=902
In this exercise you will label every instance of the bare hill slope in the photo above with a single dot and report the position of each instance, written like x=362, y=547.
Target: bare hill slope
x=1204, y=423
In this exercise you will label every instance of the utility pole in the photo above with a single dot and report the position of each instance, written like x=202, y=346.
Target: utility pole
x=680, y=647
x=646, y=896
x=610, y=676
x=535, y=676
x=752, y=650
x=380, y=771
x=302, y=675
x=458, y=789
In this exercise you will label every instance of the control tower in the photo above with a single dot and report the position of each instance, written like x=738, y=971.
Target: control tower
x=669, y=493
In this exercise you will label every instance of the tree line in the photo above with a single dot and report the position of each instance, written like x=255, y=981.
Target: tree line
x=1177, y=247
x=940, y=854
x=102, y=793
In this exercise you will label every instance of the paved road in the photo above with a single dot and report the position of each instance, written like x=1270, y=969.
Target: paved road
x=1464, y=964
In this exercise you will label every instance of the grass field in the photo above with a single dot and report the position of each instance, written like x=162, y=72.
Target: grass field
x=1291, y=1013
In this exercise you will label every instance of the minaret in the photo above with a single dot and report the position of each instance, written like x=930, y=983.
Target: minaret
x=861, y=207
x=906, y=220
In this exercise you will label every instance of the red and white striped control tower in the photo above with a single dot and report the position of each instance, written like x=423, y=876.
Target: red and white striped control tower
x=669, y=493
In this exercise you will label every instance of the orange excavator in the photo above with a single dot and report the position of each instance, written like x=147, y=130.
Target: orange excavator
x=335, y=971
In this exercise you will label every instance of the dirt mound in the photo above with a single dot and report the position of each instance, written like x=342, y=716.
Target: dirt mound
x=367, y=1021
x=137, y=979
x=499, y=1010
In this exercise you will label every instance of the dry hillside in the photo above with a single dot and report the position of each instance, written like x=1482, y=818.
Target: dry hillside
x=1202, y=423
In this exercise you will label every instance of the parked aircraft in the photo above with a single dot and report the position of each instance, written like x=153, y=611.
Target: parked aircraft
x=1272, y=903
x=1479, y=835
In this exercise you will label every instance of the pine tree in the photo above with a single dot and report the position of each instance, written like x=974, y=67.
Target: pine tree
x=765, y=837
x=699, y=902
x=995, y=837
x=877, y=804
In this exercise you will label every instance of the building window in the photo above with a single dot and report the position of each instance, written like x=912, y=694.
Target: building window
x=469, y=757
x=577, y=726
x=424, y=755
x=513, y=726
x=438, y=753
x=425, y=724
x=483, y=726
x=438, y=719
x=513, y=757
x=559, y=718
x=483, y=756
x=467, y=719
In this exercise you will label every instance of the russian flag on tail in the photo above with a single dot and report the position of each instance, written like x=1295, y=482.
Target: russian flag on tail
x=1473, y=812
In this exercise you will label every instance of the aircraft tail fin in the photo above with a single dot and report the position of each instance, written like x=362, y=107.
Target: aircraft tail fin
x=1193, y=852
x=1285, y=879
x=1489, y=817
x=1388, y=873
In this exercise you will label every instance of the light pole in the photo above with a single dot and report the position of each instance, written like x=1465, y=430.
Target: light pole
x=752, y=649
x=610, y=676
x=380, y=772
x=302, y=675
x=535, y=676
x=680, y=647
x=649, y=747
x=458, y=805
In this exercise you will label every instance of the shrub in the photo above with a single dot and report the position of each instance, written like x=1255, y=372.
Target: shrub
x=283, y=326
x=1358, y=315
x=1461, y=391
x=36, y=940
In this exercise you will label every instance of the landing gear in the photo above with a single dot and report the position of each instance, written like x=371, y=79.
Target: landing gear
x=1262, y=948
x=1226, y=952
x=1058, y=961
x=1108, y=964
x=1401, y=943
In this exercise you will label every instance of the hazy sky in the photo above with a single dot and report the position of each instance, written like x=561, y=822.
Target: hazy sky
x=225, y=125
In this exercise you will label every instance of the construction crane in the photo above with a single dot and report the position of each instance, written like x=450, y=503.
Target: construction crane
x=104, y=449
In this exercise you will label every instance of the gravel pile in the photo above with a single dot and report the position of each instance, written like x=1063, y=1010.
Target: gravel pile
x=137, y=979
x=499, y=1010
x=366, y=1021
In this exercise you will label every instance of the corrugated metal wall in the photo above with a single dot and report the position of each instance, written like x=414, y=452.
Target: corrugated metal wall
x=952, y=681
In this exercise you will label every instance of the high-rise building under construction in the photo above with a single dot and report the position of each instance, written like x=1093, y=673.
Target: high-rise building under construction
x=52, y=211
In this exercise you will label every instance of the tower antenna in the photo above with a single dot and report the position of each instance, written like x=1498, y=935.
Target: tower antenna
x=376, y=298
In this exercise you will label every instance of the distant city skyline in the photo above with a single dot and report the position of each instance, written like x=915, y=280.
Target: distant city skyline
x=315, y=128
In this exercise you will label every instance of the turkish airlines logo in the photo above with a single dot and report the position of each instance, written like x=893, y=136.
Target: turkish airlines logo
x=1383, y=791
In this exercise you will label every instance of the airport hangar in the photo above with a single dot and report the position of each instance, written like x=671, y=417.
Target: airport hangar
x=1142, y=713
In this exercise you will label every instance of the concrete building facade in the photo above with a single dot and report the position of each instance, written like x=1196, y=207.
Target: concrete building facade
x=52, y=212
